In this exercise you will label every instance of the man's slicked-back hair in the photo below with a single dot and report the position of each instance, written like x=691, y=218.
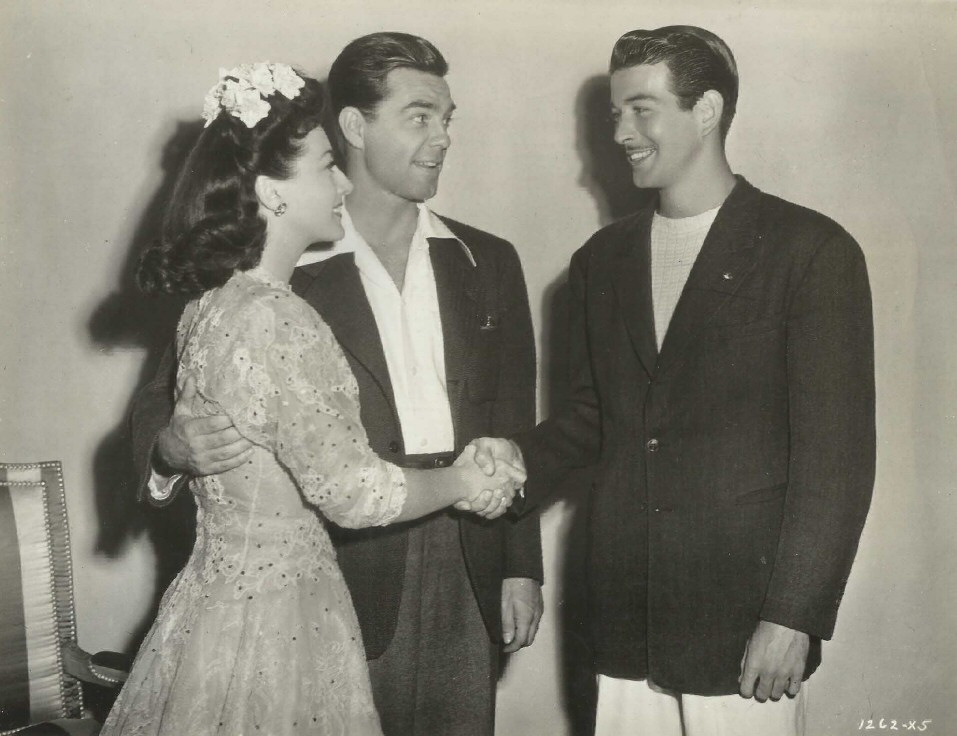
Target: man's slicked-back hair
x=358, y=76
x=697, y=59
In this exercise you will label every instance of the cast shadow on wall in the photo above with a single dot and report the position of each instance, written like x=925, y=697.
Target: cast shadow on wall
x=127, y=319
x=606, y=176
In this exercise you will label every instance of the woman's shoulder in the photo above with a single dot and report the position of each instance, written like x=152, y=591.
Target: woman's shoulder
x=250, y=303
x=253, y=293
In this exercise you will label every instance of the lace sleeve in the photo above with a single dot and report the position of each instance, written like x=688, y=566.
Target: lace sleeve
x=273, y=366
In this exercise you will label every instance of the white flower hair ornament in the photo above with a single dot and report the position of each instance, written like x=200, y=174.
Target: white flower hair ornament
x=242, y=91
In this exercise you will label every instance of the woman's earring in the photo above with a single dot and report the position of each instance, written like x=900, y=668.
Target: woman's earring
x=280, y=209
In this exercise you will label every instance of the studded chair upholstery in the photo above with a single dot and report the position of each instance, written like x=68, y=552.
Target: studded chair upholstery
x=41, y=665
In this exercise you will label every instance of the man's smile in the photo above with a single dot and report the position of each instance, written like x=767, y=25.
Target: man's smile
x=635, y=155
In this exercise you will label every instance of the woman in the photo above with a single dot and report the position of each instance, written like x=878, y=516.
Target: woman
x=257, y=634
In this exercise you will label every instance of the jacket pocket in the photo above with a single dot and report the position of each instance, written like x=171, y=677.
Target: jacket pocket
x=732, y=330
x=760, y=495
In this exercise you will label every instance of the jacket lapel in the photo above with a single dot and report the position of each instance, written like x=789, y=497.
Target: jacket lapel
x=726, y=258
x=632, y=282
x=457, y=286
x=337, y=294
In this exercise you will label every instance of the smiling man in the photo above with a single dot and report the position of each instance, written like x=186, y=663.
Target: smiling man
x=433, y=316
x=723, y=382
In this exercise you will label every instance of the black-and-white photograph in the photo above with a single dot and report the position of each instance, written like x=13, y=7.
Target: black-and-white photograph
x=516, y=368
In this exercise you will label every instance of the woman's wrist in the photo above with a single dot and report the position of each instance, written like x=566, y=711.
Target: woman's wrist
x=459, y=484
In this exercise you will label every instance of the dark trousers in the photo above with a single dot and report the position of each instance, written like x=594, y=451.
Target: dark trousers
x=438, y=675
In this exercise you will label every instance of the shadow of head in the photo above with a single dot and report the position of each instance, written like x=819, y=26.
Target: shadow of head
x=605, y=173
x=128, y=319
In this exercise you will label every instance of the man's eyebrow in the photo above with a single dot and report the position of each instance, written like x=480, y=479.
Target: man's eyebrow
x=427, y=104
x=641, y=98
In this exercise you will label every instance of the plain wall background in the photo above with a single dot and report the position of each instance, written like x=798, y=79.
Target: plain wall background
x=849, y=109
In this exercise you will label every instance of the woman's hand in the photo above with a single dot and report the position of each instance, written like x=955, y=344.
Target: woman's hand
x=489, y=496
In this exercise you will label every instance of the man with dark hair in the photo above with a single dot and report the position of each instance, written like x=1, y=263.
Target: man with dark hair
x=723, y=382
x=359, y=76
x=433, y=316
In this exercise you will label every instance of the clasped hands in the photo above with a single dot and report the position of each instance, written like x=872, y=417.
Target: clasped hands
x=502, y=471
x=211, y=444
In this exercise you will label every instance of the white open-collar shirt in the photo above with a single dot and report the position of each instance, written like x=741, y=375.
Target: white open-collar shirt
x=410, y=329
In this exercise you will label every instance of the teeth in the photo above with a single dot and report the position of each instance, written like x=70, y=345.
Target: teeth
x=428, y=164
x=639, y=155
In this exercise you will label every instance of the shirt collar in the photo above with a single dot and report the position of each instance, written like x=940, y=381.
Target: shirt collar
x=429, y=225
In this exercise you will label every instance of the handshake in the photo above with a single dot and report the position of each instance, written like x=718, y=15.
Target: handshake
x=494, y=471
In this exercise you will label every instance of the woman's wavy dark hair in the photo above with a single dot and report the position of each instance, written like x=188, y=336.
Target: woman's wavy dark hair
x=212, y=227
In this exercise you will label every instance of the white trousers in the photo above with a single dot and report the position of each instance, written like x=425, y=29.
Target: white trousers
x=641, y=708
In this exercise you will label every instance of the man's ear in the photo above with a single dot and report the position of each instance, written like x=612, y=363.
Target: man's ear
x=352, y=123
x=267, y=193
x=708, y=110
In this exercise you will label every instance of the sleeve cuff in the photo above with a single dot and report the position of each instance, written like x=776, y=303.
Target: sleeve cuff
x=161, y=487
x=800, y=618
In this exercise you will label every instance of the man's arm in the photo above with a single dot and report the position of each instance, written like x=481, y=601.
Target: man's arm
x=830, y=353
x=150, y=413
x=571, y=437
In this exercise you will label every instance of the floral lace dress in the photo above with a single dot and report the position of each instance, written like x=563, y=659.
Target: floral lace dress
x=257, y=635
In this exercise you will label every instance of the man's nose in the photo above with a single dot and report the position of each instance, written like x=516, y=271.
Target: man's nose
x=624, y=131
x=440, y=135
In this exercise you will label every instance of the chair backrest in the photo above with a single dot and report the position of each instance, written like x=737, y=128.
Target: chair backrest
x=36, y=597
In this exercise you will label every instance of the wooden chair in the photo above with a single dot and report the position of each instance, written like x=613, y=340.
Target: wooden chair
x=41, y=664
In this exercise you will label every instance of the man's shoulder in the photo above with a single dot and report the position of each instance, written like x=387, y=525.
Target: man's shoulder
x=610, y=239
x=622, y=228
x=747, y=208
x=791, y=218
x=799, y=233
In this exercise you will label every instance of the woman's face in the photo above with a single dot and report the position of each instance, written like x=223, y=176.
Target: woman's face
x=314, y=193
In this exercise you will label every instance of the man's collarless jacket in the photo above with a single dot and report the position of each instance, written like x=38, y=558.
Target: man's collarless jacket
x=735, y=468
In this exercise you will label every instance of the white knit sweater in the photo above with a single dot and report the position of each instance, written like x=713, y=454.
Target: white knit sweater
x=675, y=244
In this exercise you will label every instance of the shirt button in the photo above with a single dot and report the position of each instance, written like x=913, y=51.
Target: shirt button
x=393, y=446
x=652, y=445
x=423, y=442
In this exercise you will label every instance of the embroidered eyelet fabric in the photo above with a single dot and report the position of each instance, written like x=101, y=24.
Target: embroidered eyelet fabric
x=257, y=634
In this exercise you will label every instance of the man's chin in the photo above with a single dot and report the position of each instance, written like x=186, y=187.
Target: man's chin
x=421, y=195
x=643, y=180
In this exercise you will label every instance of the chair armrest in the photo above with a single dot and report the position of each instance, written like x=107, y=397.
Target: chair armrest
x=103, y=668
x=62, y=727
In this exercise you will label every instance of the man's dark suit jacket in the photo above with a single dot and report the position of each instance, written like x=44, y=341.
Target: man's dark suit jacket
x=490, y=373
x=735, y=468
